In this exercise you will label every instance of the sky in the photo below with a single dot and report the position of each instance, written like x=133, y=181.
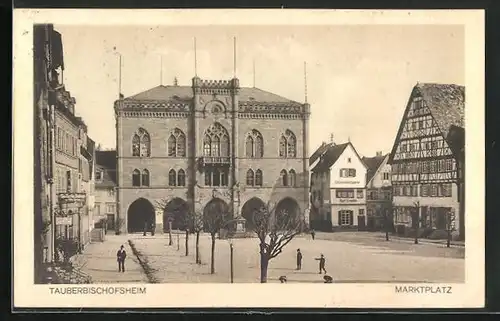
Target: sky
x=359, y=77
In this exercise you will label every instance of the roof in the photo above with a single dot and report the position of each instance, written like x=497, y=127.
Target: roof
x=106, y=159
x=456, y=141
x=185, y=93
x=373, y=164
x=446, y=102
x=331, y=155
x=321, y=149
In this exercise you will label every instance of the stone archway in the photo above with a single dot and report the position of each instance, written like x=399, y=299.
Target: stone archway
x=248, y=210
x=213, y=211
x=176, y=210
x=140, y=213
x=287, y=210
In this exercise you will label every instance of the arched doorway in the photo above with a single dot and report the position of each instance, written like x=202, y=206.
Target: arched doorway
x=140, y=213
x=214, y=213
x=176, y=211
x=248, y=210
x=287, y=210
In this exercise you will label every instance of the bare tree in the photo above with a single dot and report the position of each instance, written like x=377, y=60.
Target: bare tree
x=417, y=218
x=450, y=226
x=387, y=223
x=274, y=230
x=196, y=225
x=161, y=205
x=214, y=219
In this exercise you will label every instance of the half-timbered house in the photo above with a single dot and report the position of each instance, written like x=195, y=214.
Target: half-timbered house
x=424, y=170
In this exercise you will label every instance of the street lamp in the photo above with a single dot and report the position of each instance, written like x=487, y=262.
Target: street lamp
x=231, y=258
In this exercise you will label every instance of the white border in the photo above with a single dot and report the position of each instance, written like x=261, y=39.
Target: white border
x=470, y=294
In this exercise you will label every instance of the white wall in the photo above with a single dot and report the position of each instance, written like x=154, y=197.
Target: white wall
x=378, y=180
x=343, y=162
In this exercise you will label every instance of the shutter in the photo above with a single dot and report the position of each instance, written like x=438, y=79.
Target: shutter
x=351, y=218
x=339, y=218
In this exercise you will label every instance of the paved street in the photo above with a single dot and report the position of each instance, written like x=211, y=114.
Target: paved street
x=351, y=257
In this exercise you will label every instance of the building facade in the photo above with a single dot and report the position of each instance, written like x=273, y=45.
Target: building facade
x=338, y=188
x=105, y=189
x=424, y=168
x=186, y=148
x=378, y=192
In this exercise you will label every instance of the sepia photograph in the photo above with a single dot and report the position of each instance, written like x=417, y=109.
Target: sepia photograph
x=250, y=153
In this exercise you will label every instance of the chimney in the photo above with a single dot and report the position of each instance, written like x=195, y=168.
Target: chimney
x=379, y=153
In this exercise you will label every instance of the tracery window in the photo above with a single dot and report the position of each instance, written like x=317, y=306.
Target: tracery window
x=254, y=144
x=258, y=177
x=136, y=178
x=181, y=178
x=288, y=145
x=141, y=144
x=177, y=144
x=216, y=141
x=250, y=177
x=171, y=178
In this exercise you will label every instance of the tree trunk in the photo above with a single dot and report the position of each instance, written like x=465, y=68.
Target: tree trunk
x=448, y=241
x=187, y=242
x=212, y=259
x=198, y=261
x=169, y=236
x=264, y=262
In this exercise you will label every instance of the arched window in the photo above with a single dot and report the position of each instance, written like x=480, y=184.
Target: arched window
x=177, y=144
x=145, y=177
x=181, y=178
x=284, y=178
x=259, y=146
x=282, y=146
x=217, y=138
x=250, y=177
x=206, y=145
x=258, y=177
x=249, y=146
x=288, y=145
x=136, y=178
x=141, y=144
x=291, y=177
x=171, y=178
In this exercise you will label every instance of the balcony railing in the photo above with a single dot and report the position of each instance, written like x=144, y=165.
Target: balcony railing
x=216, y=160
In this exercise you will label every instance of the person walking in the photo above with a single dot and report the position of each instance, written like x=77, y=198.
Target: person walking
x=322, y=262
x=313, y=234
x=299, y=260
x=120, y=257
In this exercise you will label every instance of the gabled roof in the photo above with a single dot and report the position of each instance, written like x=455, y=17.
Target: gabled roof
x=106, y=163
x=321, y=149
x=185, y=93
x=446, y=102
x=373, y=164
x=330, y=156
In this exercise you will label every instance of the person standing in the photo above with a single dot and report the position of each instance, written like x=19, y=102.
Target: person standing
x=322, y=262
x=299, y=260
x=120, y=257
x=313, y=234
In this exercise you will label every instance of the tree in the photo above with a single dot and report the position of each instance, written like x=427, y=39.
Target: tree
x=196, y=225
x=119, y=223
x=416, y=217
x=274, y=230
x=214, y=219
x=450, y=226
x=387, y=223
x=174, y=212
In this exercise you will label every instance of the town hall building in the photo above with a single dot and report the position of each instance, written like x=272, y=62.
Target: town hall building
x=210, y=145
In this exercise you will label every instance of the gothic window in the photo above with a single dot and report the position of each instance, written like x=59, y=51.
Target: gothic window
x=177, y=144
x=249, y=146
x=208, y=177
x=136, y=178
x=181, y=178
x=216, y=179
x=141, y=144
x=288, y=145
x=206, y=145
x=216, y=141
x=282, y=146
x=171, y=178
x=145, y=177
x=259, y=146
x=250, y=177
x=224, y=178
x=258, y=177
x=284, y=178
x=292, y=178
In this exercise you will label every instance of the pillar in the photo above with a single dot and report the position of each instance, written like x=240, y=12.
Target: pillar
x=193, y=144
x=233, y=177
x=121, y=217
x=158, y=222
x=305, y=153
